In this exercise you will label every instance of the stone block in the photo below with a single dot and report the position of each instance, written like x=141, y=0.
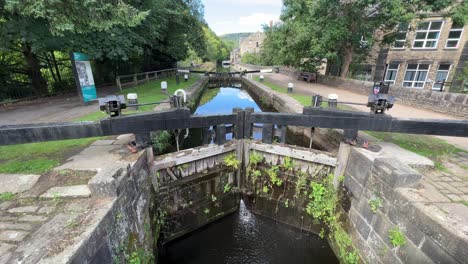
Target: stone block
x=353, y=187
x=32, y=218
x=390, y=150
x=359, y=223
x=359, y=166
x=409, y=229
x=394, y=173
x=364, y=209
x=75, y=191
x=24, y=209
x=436, y=253
x=104, y=142
x=105, y=182
x=12, y=236
x=46, y=210
x=382, y=250
x=410, y=253
x=16, y=183
x=381, y=226
x=15, y=226
x=4, y=247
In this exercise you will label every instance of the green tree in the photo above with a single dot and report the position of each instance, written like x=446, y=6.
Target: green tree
x=217, y=50
x=341, y=31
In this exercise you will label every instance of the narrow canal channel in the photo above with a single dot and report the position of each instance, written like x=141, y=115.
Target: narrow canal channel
x=243, y=237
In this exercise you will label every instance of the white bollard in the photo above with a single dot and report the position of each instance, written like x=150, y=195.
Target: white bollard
x=164, y=86
x=290, y=87
x=333, y=100
x=132, y=99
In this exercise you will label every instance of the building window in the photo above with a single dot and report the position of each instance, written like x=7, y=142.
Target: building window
x=416, y=75
x=441, y=77
x=392, y=71
x=454, y=37
x=400, y=38
x=427, y=35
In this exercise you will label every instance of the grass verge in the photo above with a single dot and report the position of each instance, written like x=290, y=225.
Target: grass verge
x=38, y=158
x=305, y=100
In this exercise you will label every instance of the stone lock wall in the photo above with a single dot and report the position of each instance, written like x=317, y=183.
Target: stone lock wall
x=371, y=176
x=192, y=187
x=285, y=202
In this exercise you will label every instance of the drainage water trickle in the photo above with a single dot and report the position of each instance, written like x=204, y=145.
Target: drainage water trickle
x=243, y=237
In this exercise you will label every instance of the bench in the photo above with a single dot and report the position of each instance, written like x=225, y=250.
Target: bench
x=307, y=76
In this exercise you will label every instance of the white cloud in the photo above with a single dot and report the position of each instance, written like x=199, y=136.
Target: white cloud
x=251, y=2
x=258, y=19
x=223, y=23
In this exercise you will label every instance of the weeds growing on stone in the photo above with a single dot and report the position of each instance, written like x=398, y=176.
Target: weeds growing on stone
x=375, y=203
x=232, y=162
x=397, y=238
x=6, y=196
x=227, y=188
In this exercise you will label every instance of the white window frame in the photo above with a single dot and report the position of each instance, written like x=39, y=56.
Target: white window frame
x=413, y=81
x=401, y=40
x=396, y=74
x=457, y=39
x=427, y=31
x=448, y=74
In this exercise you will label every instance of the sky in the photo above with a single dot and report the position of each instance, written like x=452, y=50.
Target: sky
x=233, y=16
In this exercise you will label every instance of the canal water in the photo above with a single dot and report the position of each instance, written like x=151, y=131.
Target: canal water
x=243, y=237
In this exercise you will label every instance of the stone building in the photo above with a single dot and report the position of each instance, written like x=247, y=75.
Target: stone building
x=235, y=56
x=252, y=44
x=425, y=55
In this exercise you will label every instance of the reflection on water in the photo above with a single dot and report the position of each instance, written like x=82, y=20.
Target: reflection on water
x=225, y=100
x=246, y=238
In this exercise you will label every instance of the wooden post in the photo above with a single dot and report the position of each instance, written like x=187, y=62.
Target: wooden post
x=247, y=125
x=147, y=77
x=135, y=79
x=267, y=133
x=283, y=134
x=238, y=129
x=206, y=136
x=220, y=134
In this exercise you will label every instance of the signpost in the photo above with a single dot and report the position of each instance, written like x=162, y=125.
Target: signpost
x=83, y=77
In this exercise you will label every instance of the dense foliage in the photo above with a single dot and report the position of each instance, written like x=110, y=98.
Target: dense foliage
x=342, y=32
x=36, y=37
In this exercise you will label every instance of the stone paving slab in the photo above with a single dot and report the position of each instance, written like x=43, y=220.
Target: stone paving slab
x=16, y=183
x=12, y=236
x=75, y=191
x=32, y=218
x=16, y=226
x=24, y=209
x=4, y=247
x=94, y=158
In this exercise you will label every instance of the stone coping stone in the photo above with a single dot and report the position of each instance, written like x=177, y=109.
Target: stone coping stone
x=105, y=182
x=17, y=183
x=75, y=191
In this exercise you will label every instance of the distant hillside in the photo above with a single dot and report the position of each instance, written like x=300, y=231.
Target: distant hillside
x=233, y=38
